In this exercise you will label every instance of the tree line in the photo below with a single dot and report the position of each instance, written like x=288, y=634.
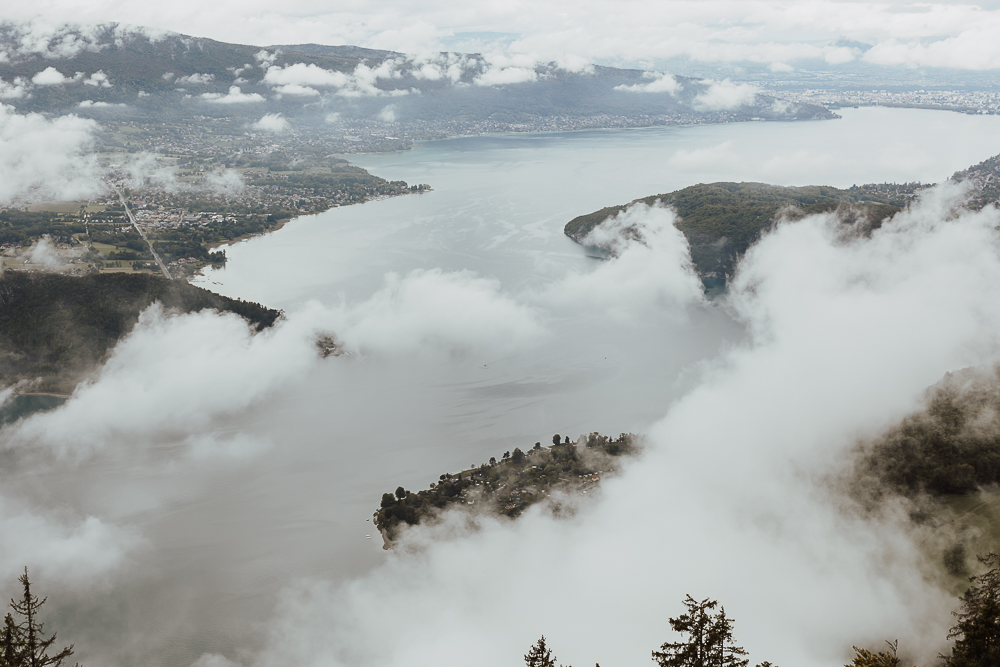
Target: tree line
x=23, y=641
x=707, y=638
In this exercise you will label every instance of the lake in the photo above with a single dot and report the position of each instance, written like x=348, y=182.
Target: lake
x=220, y=540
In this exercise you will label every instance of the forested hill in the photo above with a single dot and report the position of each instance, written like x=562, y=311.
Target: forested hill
x=58, y=328
x=722, y=220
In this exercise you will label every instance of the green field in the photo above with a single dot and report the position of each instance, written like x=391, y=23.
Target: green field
x=66, y=207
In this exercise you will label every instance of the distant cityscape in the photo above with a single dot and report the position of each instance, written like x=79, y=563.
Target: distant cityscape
x=980, y=101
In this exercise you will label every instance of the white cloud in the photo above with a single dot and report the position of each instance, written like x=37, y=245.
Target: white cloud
x=75, y=550
x=43, y=254
x=33, y=37
x=225, y=182
x=147, y=170
x=500, y=76
x=50, y=76
x=160, y=403
x=845, y=335
x=296, y=90
x=650, y=267
x=91, y=104
x=428, y=71
x=725, y=95
x=428, y=310
x=304, y=80
x=300, y=74
x=16, y=90
x=98, y=79
x=234, y=96
x=941, y=34
x=265, y=58
x=661, y=83
x=196, y=79
x=272, y=122
x=46, y=159
x=387, y=114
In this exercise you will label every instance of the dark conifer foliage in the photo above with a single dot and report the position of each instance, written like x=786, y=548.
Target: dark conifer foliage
x=865, y=658
x=709, y=639
x=24, y=644
x=540, y=655
x=977, y=632
x=59, y=326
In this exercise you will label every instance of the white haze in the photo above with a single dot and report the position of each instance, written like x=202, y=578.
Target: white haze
x=274, y=123
x=652, y=268
x=728, y=501
x=46, y=159
x=778, y=33
x=204, y=461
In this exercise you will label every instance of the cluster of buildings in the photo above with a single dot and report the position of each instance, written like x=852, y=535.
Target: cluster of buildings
x=971, y=101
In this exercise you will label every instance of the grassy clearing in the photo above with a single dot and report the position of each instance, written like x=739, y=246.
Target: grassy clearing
x=104, y=248
x=66, y=207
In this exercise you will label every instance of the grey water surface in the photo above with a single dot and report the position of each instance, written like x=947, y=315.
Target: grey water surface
x=220, y=549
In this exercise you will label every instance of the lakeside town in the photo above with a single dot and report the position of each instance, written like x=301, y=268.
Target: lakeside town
x=965, y=101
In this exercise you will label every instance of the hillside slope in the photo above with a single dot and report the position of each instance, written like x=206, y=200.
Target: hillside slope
x=58, y=328
x=722, y=220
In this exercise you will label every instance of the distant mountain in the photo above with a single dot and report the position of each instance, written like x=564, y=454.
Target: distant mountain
x=111, y=71
x=722, y=220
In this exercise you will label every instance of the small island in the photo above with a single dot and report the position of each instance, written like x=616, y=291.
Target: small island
x=508, y=486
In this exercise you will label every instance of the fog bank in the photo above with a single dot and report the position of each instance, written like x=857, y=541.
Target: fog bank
x=846, y=335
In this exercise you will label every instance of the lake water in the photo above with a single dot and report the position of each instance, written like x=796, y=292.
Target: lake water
x=219, y=544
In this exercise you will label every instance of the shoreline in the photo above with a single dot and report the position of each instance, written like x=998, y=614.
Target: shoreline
x=42, y=393
x=279, y=224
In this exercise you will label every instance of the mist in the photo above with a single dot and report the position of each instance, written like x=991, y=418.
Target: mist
x=845, y=337
x=202, y=498
x=43, y=159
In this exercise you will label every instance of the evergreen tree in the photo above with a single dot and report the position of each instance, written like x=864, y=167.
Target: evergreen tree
x=32, y=646
x=11, y=649
x=709, y=641
x=865, y=658
x=540, y=655
x=977, y=632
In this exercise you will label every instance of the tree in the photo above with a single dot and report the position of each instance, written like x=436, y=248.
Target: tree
x=556, y=439
x=24, y=644
x=11, y=651
x=977, y=632
x=865, y=658
x=540, y=655
x=400, y=492
x=387, y=500
x=709, y=642
x=493, y=460
x=517, y=457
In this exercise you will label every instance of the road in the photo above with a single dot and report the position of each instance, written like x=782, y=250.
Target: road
x=128, y=211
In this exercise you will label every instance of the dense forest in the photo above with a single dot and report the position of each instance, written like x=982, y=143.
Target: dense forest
x=509, y=486
x=950, y=447
x=722, y=220
x=59, y=327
